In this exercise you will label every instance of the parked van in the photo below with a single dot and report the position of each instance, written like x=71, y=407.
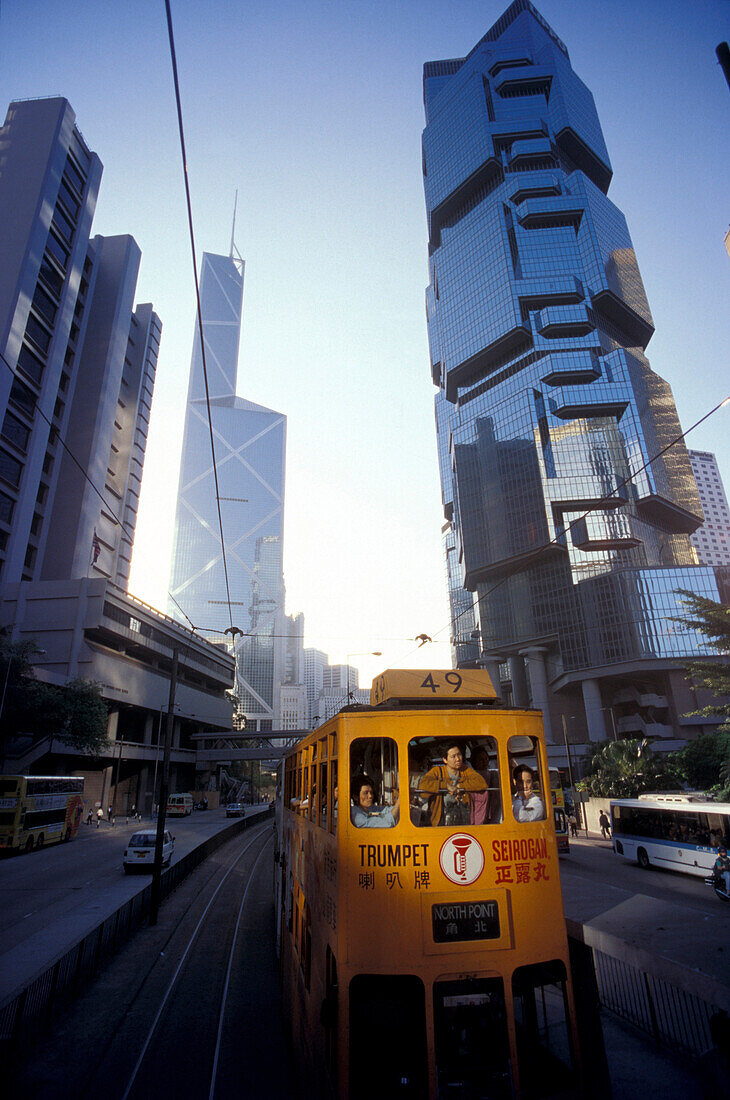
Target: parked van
x=179, y=805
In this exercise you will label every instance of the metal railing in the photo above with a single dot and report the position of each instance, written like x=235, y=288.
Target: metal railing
x=670, y=1002
x=674, y=1017
x=31, y=1011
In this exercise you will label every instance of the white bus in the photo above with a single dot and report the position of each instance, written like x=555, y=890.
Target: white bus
x=672, y=831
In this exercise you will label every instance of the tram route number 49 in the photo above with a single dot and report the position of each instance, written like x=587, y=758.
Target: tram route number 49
x=452, y=678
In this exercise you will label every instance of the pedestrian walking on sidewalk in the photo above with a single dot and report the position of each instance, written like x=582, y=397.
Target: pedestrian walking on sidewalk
x=605, y=825
x=99, y=817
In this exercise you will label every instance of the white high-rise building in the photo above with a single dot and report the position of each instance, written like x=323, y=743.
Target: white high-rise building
x=712, y=539
x=315, y=662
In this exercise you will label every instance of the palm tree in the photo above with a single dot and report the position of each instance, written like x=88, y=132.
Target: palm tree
x=623, y=769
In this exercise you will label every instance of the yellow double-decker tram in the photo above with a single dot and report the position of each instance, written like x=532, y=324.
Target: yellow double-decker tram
x=422, y=938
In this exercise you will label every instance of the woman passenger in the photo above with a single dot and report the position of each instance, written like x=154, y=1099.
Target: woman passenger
x=449, y=785
x=526, y=806
x=364, y=814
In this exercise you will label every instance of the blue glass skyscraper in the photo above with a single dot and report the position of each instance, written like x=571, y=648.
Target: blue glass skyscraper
x=569, y=552
x=250, y=446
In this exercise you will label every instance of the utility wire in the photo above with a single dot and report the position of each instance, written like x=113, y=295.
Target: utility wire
x=173, y=58
x=608, y=499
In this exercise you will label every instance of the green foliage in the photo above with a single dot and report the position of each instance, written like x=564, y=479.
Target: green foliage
x=626, y=768
x=75, y=713
x=713, y=620
x=699, y=764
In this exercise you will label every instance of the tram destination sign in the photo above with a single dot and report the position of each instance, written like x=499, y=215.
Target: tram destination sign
x=453, y=922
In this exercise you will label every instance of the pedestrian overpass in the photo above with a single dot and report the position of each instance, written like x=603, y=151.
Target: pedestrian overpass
x=214, y=747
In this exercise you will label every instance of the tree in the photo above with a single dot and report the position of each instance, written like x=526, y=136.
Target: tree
x=705, y=762
x=625, y=768
x=699, y=764
x=713, y=620
x=75, y=712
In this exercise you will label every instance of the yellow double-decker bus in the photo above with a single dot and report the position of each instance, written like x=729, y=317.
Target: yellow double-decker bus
x=420, y=922
x=39, y=809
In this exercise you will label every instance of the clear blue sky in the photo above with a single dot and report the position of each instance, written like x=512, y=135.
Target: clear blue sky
x=313, y=111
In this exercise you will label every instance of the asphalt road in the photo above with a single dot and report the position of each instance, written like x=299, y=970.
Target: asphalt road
x=595, y=879
x=53, y=897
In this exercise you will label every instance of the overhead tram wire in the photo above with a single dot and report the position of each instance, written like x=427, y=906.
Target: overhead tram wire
x=608, y=499
x=178, y=102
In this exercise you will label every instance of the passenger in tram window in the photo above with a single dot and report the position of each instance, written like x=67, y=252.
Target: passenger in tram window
x=420, y=762
x=449, y=785
x=526, y=806
x=364, y=814
x=486, y=806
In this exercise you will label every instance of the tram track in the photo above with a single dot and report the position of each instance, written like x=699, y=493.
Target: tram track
x=135, y=1086
x=179, y=1005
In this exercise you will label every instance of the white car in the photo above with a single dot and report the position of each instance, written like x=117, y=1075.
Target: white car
x=140, y=850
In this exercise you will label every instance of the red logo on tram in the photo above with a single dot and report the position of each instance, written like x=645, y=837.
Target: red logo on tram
x=461, y=859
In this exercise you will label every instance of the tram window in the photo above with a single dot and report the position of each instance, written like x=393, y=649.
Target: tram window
x=529, y=792
x=544, y=1050
x=322, y=795
x=388, y=1052
x=454, y=782
x=471, y=1039
x=312, y=804
x=374, y=792
x=333, y=793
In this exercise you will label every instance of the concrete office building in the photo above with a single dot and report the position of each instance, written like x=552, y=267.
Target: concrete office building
x=77, y=371
x=712, y=539
x=565, y=548
x=250, y=446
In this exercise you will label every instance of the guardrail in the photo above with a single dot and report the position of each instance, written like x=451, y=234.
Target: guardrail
x=30, y=1012
x=670, y=1002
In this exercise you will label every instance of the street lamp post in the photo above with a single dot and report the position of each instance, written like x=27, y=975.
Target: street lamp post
x=370, y=653
x=570, y=766
x=613, y=721
x=164, y=784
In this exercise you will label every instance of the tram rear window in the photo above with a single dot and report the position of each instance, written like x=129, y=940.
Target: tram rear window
x=388, y=1051
x=472, y=1043
x=454, y=781
x=544, y=1047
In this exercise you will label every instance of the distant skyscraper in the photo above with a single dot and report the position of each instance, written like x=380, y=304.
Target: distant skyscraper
x=250, y=443
x=564, y=554
x=315, y=662
x=712, y=539
x=79, y=361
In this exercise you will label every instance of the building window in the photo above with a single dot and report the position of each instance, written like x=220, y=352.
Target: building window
x=30, y=363
x=51, y=277
x=7, y=504
x=10, y=468
x=15, y=431
x=56, y=249
x=37, y=333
